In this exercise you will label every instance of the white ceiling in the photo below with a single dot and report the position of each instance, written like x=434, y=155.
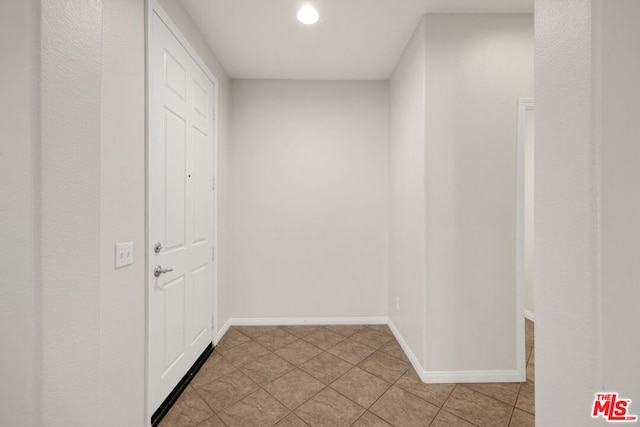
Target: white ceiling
x=354, y=39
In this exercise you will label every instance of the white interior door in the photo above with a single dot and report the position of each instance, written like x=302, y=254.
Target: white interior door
x=180, y=212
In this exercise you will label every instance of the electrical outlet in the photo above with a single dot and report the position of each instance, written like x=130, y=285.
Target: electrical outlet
x=398, y=303
x=124, y=254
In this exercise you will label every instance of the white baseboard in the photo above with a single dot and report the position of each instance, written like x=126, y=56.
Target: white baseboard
x=437, y=377
x=432, y=377
x=407, y=350
x=217, y=336
x=293, y=321
x=529, y=315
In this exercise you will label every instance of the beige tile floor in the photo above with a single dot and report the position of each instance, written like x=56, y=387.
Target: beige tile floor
x=337, y=376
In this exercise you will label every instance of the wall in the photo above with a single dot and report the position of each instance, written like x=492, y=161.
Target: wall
x=92, y=193
x=407, y=244
x=586, y=206
x=620, y=200
x=71, y=61
x=21, y=331
x=477, y=66
x=454, y=97
x=223, y=185
x=122, y=213
x=568, y=322
x=309, y=198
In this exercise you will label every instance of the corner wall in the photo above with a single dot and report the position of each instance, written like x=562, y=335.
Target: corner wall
x=477, y=67
x=407, y=245
x=454, y=97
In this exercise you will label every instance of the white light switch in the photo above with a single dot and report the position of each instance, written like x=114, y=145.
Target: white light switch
x=124, y=254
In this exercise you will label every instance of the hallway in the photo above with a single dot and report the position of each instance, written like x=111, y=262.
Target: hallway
x=338, y=375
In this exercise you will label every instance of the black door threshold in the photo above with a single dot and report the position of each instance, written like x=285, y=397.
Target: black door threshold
x=177, y=391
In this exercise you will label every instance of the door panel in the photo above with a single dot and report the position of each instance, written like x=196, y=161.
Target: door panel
x=175, y=75
x=175, y=146
x=180, y=212
x=201, y=188
x=174, y=301
x=199, y=307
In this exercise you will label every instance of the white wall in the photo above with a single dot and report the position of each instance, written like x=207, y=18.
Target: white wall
x=477, y=66
x=454, y=98
x=620, y=199
x=93, y=195
x=309, y=198
x=568, y=348
x=407, y=244
x=223, y=185
x=71, y=60
x=122, y=213
x=20, y=321
x=586, y=206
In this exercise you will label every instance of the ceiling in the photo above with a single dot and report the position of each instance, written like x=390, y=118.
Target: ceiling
x=354, y=39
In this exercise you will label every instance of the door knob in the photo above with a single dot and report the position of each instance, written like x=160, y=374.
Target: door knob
x=159, y=270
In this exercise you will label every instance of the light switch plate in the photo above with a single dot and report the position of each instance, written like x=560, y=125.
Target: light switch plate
x=124, y=254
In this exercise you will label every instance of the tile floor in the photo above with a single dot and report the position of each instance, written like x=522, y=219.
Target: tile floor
x=337, y=376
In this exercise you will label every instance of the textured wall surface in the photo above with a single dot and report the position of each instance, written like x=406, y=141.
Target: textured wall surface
x=568, y=320
x=71, y=60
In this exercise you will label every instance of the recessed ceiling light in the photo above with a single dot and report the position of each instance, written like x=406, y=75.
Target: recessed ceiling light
x=308, y=15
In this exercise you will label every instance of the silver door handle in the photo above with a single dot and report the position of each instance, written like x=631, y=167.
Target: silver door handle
x=159, y=270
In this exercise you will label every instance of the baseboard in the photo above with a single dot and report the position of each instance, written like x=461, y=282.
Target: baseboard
x=529, y=315
x=437, y=377
x=431, y=377
x=294, y=321
x=407, y=350
x=217, y=336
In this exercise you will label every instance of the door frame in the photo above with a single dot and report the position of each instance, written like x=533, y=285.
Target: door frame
x=524, y=105
x=153, y=7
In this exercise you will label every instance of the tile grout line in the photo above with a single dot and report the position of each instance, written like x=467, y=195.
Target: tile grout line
x=263, y=388
x=492, y=397
x=513, y=410
x=352, y=366
x=329, y=385
x=351, y=400
x=441, y=407
x=391, y=384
